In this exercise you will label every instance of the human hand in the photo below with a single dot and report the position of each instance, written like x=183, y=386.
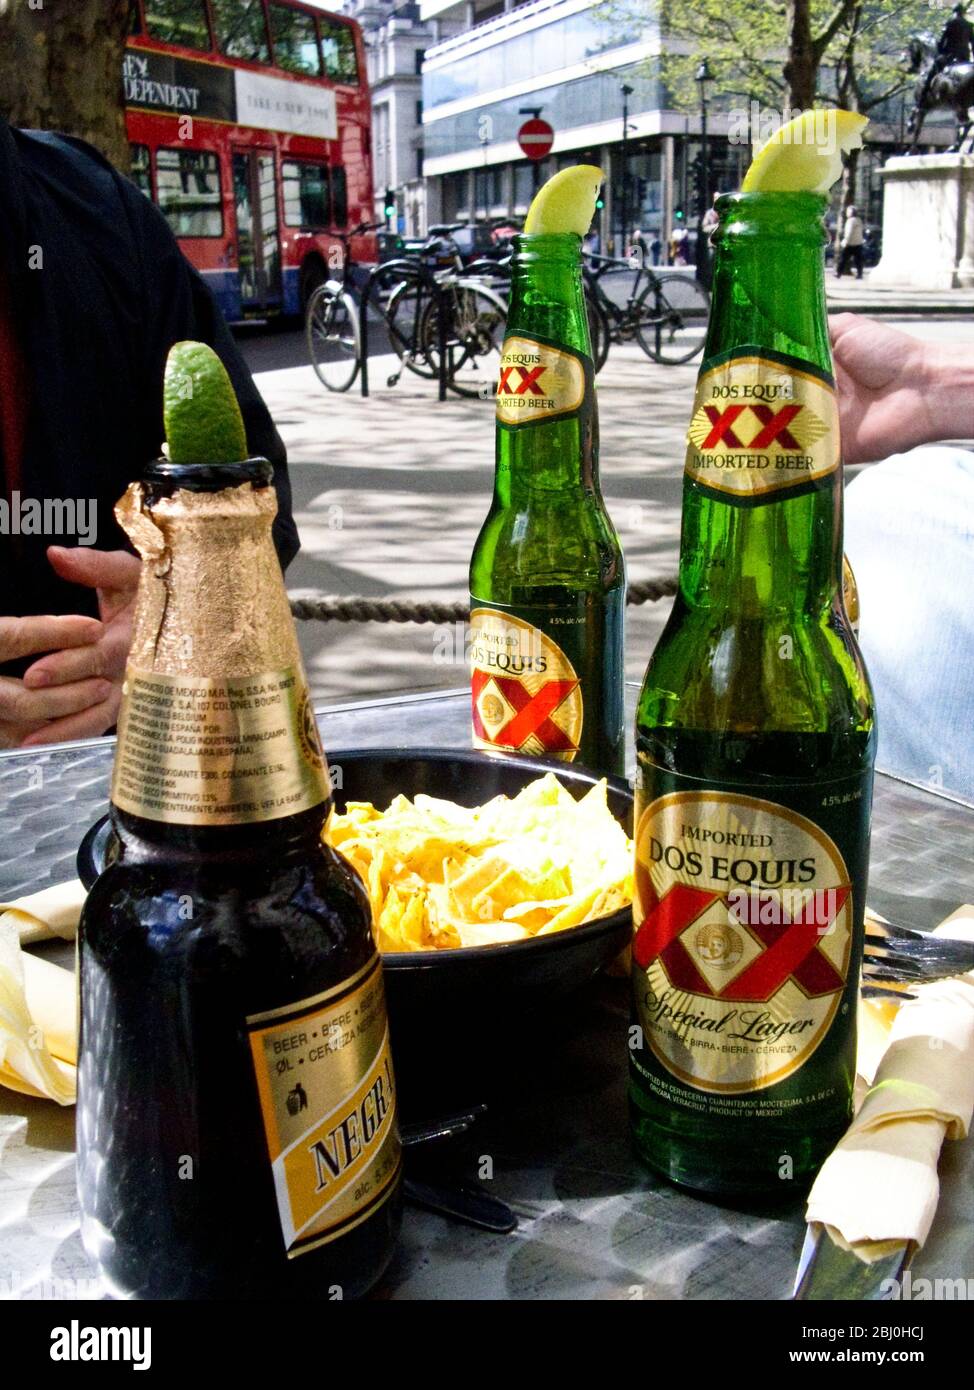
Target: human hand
x=76, y=689
x=896, y=391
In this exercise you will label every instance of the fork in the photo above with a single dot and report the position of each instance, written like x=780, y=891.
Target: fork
x=905, y=955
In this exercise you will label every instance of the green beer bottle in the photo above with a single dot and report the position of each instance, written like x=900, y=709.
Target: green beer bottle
x=755, y=743
x=547, y=579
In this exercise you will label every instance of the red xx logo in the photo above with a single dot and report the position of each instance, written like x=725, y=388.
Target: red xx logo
x=528, y=383
x=532, y=713
x=774, y=427
x=790, y=948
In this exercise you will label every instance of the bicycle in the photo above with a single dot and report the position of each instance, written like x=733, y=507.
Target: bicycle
x=474, y=316
x=333, y=330
x=667, y=314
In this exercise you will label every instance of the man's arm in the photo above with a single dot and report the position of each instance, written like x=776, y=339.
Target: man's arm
x=896, y=391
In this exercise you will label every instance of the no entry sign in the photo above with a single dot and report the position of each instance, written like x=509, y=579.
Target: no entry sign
x=536, y=138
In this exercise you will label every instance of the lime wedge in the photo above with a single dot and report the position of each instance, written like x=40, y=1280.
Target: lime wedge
x=805, y=155
x=566, y=203
x=199, y=408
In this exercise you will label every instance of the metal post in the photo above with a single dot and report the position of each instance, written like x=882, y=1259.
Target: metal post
x=624, y=202
x=363, y=319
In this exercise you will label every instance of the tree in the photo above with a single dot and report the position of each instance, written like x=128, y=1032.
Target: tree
x=788, y=54
x=61, y=69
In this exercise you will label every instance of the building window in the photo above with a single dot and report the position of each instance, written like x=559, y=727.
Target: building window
x=419, y=162
x=178, y=21
x=418, y=57
x=295, y=40
x=141, y=168
x=338, y=50
x=305, y=189
x=240, y=29
x=189, y=192
x=419, y=112
x=339, y=196
x=523, y=186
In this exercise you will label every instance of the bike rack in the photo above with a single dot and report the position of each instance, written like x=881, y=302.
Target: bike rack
x=439, y=299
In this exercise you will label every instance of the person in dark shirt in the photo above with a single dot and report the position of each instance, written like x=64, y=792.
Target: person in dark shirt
x=93, y=293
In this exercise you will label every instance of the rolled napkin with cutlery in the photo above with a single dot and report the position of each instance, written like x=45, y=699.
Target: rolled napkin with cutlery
x=878, y=1190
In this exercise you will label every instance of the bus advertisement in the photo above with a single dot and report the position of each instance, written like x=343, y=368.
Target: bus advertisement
x=249, y=125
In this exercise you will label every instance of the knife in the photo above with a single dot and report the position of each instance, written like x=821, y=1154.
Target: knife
x=826, y=1271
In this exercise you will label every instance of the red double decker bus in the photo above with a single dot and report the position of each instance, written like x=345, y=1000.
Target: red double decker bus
x=249, y=123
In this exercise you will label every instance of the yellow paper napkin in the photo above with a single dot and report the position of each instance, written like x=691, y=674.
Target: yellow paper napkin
x=52, y=912
x=38, y=1023
x=879, y=1187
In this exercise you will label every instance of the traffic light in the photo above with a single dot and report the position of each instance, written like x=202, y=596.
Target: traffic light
x=389, y=207
x=599, y=203
x=677, y=214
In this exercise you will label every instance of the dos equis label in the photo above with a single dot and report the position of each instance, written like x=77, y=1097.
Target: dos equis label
x=744, y=932
x=538, y=381
x=328, y=1102
x=527, y=694
x=763, y=425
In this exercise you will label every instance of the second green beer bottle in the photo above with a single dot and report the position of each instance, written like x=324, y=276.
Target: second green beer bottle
x=547, y=580
x=755, y=742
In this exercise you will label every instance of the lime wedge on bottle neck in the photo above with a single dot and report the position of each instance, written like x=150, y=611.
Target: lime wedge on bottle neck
x=805, y=155
x=199, y=408
x=566, y=203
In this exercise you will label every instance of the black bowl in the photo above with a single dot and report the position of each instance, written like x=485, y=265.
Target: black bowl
x=470, y=985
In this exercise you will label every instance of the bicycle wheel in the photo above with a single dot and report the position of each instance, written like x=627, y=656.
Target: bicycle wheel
x=671, y=319
x=333, y=336
x=475, y=326
x=598, y=331
x=408, y=301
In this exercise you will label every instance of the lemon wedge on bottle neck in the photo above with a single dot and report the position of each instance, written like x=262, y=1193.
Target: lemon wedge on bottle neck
x=566, y=203
x=805, y=155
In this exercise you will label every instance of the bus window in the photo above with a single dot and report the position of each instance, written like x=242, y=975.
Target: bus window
x=240, y=29
x=305, y=188
x=295, y=40
x=339, y=197
x=189, y=191
x=141, y=174
x=178, y=21
x=338, y=49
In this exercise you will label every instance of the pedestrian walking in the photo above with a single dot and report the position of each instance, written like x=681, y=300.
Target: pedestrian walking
x=851, y=246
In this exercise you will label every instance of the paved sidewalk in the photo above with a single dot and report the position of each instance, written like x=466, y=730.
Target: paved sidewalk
x=861, y=297
x=390, y=492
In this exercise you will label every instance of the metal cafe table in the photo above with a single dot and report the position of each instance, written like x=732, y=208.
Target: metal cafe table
x=592, y=1224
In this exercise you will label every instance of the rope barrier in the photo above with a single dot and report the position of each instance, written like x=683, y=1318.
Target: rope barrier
x=324, y=609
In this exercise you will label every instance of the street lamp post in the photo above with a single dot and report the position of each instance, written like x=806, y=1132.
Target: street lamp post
x=624, y=201
x=703, y=78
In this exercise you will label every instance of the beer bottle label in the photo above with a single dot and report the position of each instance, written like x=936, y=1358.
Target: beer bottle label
x=328, y=1102
x=764, y=425
x=195, y=751
x=747, y=915
x=527, y=693
x=540, y=381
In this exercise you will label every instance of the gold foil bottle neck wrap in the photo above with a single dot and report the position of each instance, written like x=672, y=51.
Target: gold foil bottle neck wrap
x=216, y=725
x=211, y=599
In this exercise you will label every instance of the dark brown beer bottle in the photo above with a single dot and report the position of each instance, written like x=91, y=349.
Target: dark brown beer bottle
x=237, y=1132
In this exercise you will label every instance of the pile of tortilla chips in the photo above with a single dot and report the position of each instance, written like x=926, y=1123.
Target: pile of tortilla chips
x=441, y=875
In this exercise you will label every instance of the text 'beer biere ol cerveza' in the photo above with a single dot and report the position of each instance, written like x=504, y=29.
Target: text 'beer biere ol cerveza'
x=237, y=1131
x=547, y=580
x=755, y=744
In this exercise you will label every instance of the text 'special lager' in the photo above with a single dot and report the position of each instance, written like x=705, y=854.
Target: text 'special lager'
x=755, y=743
x=547, y=580
x=237, y=1131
